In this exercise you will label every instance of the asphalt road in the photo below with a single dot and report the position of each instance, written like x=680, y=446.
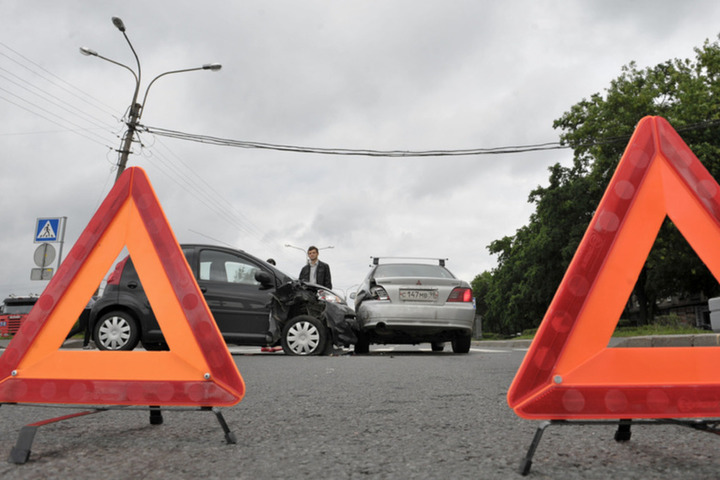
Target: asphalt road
x=401, y=413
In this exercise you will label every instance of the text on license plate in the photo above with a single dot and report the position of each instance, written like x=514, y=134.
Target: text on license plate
x=415, y=295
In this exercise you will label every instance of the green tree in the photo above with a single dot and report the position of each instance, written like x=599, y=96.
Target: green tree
x=531, y=263
x=480, y=286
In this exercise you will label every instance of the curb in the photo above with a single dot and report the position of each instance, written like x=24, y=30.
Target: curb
x=73, y=343
x=701, y=340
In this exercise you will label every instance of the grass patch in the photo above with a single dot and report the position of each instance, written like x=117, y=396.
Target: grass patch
x=646, y=330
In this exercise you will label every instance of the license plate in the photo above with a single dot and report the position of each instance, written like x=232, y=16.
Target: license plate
x=415, y=295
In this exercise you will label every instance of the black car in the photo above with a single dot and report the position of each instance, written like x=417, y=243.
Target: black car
x=239, y=290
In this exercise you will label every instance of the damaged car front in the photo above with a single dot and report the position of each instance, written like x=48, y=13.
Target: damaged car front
x=308, y=319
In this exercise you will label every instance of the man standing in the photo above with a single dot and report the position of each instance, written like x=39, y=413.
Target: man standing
x=316, y=271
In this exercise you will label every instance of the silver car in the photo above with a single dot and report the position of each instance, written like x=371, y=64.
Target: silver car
x=412, y=303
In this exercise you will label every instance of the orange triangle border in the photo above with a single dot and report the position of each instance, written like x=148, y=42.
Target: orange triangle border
x=197, y=371
x=569, y=372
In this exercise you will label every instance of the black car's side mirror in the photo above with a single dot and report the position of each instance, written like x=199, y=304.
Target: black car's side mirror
x=266, y=280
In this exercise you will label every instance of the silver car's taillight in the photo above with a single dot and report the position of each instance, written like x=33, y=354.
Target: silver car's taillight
x=379, y=293
x=460, y=295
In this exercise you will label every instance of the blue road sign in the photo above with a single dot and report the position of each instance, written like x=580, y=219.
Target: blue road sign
x=47, y=230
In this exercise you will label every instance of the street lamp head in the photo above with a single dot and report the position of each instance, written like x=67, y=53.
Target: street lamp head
x=117, y=21
x=88, y=52
x=212, y=66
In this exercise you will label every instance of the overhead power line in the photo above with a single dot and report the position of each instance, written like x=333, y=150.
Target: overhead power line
x=30, y=87
x=401, y=153
x=348, y=151
x=192, y=182
x=40, y=71
x=78, y=130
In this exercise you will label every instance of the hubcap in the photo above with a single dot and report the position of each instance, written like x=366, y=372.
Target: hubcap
x=114, y=333
x=303, y=338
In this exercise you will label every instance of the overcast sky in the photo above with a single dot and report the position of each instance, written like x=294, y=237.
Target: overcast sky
x=381, y=75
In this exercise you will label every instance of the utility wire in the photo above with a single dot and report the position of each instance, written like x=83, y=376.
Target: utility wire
x=52, y=100
x=402, y=153
x=223, y=206
x=77, y=93
x=48, y=88
x=348, y=151
x=78, y=131
x=199, y=188
x=56, y=100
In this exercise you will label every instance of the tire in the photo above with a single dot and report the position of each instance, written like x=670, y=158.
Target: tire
x=462, y=344
x=363, y=344
x=437, y=346
x=304, y=335
x=116, y=330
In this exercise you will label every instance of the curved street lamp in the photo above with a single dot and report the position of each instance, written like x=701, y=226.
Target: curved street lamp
x=136, y=109
x=305, y=251
x=287, y=245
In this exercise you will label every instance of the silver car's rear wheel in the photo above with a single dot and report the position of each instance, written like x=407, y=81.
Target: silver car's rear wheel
x=462, y=344
x=116, y=331
x=304, y=335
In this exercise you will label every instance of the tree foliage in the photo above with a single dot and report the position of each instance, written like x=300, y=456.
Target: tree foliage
x=531, y=263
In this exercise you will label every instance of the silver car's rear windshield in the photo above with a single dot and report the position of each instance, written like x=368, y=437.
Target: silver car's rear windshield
x=406, y=270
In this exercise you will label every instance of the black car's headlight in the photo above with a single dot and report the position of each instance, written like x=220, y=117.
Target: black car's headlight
x=328, y=296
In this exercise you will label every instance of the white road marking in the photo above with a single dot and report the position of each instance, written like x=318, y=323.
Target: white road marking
x=237, y=350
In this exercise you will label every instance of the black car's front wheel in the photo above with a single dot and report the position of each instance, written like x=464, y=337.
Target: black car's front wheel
x=116, y=330
x=304, y=335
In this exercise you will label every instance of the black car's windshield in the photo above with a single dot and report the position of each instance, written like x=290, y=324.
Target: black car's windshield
x=412, y=270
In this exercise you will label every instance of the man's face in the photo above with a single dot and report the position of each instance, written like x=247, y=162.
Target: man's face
x=312, y=255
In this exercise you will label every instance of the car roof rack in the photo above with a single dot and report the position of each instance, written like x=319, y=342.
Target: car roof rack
x=441, y=261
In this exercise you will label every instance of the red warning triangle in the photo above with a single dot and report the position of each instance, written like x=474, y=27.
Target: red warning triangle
x=569, y=372
x=197, y=371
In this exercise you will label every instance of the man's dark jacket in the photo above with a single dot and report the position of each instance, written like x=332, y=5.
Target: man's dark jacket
x=323, y=274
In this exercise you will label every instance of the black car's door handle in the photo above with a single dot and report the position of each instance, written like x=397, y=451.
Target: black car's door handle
x=132, y=285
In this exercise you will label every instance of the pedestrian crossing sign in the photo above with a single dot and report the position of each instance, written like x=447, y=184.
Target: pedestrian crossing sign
x=47, y=229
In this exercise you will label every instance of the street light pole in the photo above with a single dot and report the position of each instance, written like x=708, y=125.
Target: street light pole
x=208, y=66
x=136, y=109
x=287, y=245
x=303, y=250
